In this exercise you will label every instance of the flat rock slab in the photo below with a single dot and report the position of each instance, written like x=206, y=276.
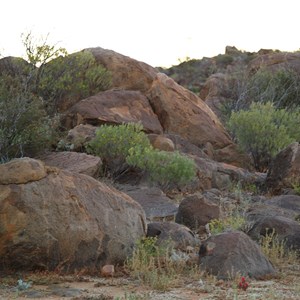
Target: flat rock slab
x=155, y=203
x=74, y=162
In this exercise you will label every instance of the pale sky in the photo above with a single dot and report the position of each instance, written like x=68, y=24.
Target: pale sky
x=158, y=32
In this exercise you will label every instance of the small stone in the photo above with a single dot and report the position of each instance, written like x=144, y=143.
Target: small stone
x=108, y=271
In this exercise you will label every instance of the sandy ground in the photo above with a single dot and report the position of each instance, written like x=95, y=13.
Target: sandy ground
x=51, y=286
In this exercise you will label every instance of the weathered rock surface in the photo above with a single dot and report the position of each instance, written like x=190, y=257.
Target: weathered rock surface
x=155, y=203
x=80, y=135
x=172, y=234
x=215, y=92
x=114, y=107
x=289, y=203
x=182, y=112
x=260, y=210
x=230, y=253
x=275, y=61
x=184, y=146
x=284, y=170
x=219, y=175
x=22, y=170
x=284, y=229
x=74, y=162
x=65, y=221
x=127, y=73
x=196, y=210
x=161, y=142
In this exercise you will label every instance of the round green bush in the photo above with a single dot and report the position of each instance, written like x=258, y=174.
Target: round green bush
x=128, y=143
x=263, y=131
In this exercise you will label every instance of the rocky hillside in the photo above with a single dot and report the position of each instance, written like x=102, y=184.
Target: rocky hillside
x=59, y=213
x=212, y=78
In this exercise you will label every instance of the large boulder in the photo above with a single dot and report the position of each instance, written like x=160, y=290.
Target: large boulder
x=172, y=235
x=114, y=107
x=65, y=221
x=290, y=203
x=283, y=229
x=260, y=210
x=284, y=171
x=196, y=210
x=127, y=73
x=74, y=162
x=229, y=254
x=182, y=112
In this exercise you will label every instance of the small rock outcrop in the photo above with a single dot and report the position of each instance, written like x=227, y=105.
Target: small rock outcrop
x=64, y=221
x=155, y=203
x=161, y=142
x=74, y=162
x=114, y=107
x=22, y=170
x=196, y=210
x=275, y=61
x=290, y=203
x=233, y=253
x=79, y=136
x=171, y=234
x=284, y=170
x=127, y=73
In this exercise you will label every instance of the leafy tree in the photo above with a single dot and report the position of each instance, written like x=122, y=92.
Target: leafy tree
x=55, y=75
x=263, y=131
x=24, y=125
x=31, y=90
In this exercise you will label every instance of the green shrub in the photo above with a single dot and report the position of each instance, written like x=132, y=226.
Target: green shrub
x=229, y=223
x=114, y=142
x=128, y=143
x=263, y=131
x=224, y=59
x=163, y=167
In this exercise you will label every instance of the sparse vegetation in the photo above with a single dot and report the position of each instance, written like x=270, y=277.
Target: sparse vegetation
x=276, y=249
x=154, y=266
x=234, y=222
x=264, y=119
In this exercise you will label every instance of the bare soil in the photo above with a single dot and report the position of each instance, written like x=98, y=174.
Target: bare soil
x=77, y=287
